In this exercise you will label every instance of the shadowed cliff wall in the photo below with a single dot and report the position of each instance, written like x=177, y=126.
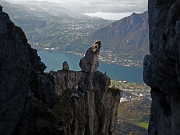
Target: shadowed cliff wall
x=162, y=66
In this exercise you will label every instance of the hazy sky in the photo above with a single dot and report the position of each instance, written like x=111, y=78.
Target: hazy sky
x=134, y=5
x=122, y=7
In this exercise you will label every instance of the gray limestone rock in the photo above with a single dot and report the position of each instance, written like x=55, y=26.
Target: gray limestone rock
x=4, y=22
x=65, y=65
x=162, y=68
x=21, y=71
x=94, y=109
x=14, y=82
x=3, y=28
x=90, y=63
x=147, y=70
x=65, y=80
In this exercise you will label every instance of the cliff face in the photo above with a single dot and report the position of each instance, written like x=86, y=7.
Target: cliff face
x=92, y=104
x=63, y=102
x=21, y=73
x=91, y=111
x=162, y=68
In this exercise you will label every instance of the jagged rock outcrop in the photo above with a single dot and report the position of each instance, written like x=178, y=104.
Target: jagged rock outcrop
x=162, y=68
x=65, y=65
x=65, y=80
x=93, y=111
x=92, y=104
x=63, y=102
x=90, y=63
x=21, y=72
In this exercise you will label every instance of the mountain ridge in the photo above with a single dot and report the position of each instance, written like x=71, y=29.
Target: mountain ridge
x=126, y=38
x=125, y=41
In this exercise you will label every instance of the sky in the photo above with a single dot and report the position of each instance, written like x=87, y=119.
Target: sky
x=127, y=4
x=122, y=7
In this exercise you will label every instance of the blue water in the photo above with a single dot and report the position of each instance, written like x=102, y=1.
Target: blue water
x=54, y=60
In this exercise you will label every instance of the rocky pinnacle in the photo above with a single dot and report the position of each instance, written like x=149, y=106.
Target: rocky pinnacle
x=89, y=63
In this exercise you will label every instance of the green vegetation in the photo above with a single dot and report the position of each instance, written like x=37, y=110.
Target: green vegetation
x=63, y=30
x=133, y=117
x=129, y=85
x=114, y=89
x=124, y=40
x=125, y=128
x=143, y=124
x=49, y=30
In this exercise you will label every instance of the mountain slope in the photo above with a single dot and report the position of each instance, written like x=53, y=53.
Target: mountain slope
x=133, y=117
x=50, y=25
x=126, y=38
x=124, y=42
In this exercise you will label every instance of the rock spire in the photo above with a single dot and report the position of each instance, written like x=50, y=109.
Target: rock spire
x=89, y=63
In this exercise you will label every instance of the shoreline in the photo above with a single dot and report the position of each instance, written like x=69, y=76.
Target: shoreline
x=125, y=62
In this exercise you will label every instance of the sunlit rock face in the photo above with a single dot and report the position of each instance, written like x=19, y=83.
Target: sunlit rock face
x=90, y=63
x=93, y=106
x=162, y=66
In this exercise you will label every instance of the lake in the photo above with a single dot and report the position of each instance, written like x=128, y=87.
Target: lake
x=109, y=16
x=54, y=60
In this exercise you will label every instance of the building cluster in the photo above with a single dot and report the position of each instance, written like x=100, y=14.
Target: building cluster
x=129, y=95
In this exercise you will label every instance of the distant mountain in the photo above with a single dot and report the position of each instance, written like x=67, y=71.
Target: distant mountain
x=48, y=24
x=123, y=39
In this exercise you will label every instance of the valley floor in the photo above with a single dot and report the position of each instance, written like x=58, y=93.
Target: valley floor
x=134, y=108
